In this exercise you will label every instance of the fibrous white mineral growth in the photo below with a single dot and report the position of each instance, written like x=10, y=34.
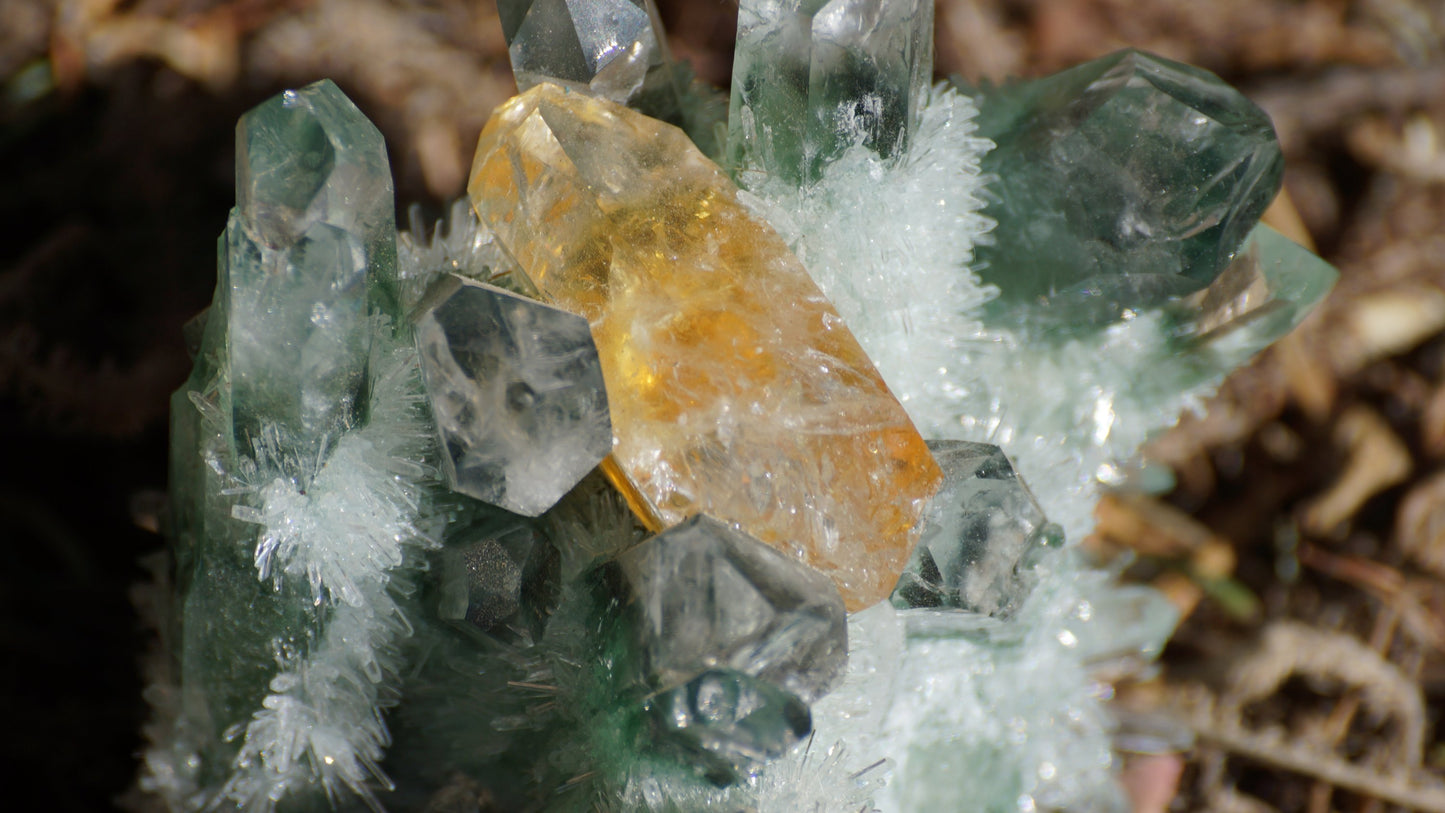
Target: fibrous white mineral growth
x=459, y=244
x=980, y=714
x=970, y=725
x=889, y=242
x=350, y=530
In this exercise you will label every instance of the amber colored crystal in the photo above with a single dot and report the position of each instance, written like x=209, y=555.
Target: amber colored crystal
x=735, y=388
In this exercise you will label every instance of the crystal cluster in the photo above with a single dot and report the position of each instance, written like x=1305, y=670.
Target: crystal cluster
x=614, y=493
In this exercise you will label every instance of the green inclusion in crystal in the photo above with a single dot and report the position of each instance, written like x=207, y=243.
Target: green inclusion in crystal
x=282, y=351
x=311, y=250
x=811, y=78
x=1121, y=183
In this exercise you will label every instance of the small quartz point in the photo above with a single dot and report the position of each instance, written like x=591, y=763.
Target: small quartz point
x=1122, y=183
x=516, y=388
x=611, y=49
x=1271, y=286
x=710, y=596
x=980, y=534
x=732, y=721
x=735, y=388
x=310, y=249
x=811, y=78
x=497, y=575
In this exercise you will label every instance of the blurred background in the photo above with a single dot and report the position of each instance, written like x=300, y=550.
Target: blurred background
x=1309, y=497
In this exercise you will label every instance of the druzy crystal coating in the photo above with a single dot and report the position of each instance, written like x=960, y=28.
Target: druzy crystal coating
x=496, y=576
x=710, y=596
x=1123, y=182
x=735, y=388
x=812, y=77
x=978, y=534
x=517, y=392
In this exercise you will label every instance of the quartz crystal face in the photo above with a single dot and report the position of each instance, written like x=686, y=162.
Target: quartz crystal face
x=498, y=577
x=811, y=78
x=735, y=388
x=731, y=721
x=614, y=50
x=517, y=392
x=1122, y=183
x=708, y=596
x=978, y=535
x=607, y=47
x=310, y=249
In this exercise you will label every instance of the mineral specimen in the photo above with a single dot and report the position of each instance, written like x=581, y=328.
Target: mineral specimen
x=1123, y=182
x=979, y=534
x=734, y=387
x=573, y=661
x=713, y=597
x=812, y=77
x=517, y=393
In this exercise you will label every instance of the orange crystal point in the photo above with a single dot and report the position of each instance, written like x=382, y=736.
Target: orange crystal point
x=735, y=388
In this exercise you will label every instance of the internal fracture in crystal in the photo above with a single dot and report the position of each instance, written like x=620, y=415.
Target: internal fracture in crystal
x=709, y=596
x=1122, y=183
x=735, y=389
x=979, y=537
x=813, y=77
x=517, y=391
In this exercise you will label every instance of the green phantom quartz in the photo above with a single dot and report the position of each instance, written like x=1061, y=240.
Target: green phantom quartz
x=311, y=249
x=280, y=369
x=812, y=78
x=1121, y=183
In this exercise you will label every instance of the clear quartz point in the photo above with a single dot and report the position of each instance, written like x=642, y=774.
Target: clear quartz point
x=980, y=534
x=310, y=250
x=811, y=78
x=517, y=391
x=709, y=596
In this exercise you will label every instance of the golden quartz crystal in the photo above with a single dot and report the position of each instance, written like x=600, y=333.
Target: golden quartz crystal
x=735, y=388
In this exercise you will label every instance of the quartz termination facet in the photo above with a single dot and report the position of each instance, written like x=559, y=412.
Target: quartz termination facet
x=608, y=47
x=614, y=50
x=1121, y=183
x=311, y=245
x=979, y=533
x=814, y=77
x=735, y=389
x=300, y=452
x=517, y=392
x=710, y=596
x=735, y=637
